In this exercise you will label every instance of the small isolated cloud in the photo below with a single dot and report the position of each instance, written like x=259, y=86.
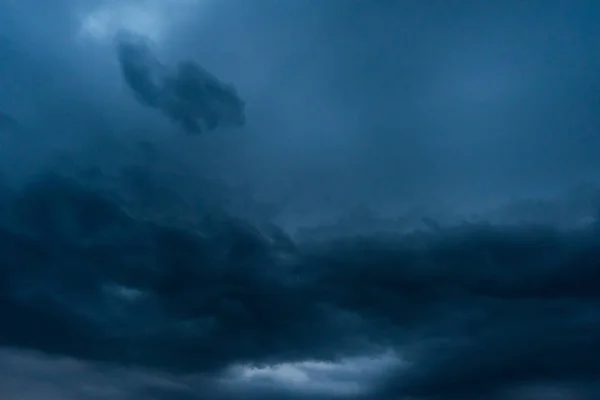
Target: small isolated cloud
x=189, y=95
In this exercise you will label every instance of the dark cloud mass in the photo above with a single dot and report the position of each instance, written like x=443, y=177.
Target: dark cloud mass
x=189, y=95
x=474, y=309
x=411, y=213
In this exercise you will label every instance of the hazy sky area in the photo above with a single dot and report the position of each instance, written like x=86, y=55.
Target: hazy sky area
x=392, y=103
x=146, y=255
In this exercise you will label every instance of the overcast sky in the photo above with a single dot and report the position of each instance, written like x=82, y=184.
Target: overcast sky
x=392, y=103
x=457, y=105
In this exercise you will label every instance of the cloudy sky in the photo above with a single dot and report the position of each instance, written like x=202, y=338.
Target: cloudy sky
x=140, y=261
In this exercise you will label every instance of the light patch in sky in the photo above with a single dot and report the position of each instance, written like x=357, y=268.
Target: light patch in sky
x=348, y=377
x=141, y=18
x=149, y=18
x=125, y=293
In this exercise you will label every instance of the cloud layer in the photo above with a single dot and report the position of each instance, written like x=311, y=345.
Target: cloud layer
x=472, y=310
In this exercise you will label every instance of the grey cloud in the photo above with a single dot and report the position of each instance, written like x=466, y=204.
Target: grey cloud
x=30, y=375
x=190, y=96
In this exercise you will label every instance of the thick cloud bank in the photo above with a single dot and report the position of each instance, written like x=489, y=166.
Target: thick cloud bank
x=190, y=96
x=473, y=311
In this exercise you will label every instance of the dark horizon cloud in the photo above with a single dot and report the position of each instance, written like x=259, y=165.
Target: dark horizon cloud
x=473, y=309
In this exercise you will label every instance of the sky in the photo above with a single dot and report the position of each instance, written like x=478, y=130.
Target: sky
x=382, y=199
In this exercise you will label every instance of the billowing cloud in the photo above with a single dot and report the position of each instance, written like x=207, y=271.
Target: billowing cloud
x=470, y=311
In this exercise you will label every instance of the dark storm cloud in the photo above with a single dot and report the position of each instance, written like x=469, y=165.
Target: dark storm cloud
x=366, y=100
x=190, y=96
x=474, y=309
